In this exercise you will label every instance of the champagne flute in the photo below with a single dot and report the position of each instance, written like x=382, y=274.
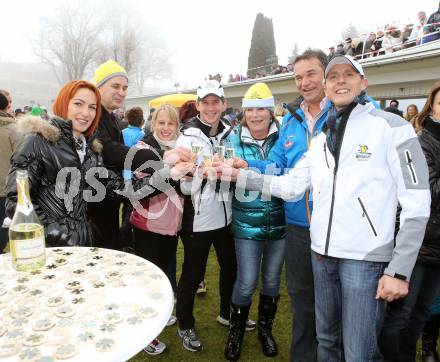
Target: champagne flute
x=229, y=155
x=220, y=152
x=229, y=152
x=207, y=160
x=196, y=150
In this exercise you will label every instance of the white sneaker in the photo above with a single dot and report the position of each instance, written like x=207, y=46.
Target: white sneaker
x=190, y=340
x=172, y=321
x=250, y=324
x=155, y=347
x=201, y=288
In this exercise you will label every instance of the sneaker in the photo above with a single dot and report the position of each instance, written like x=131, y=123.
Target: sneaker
x=155, y=347
x=202, y=287
x=172, y=321
x=190, y=340
x=250, y=324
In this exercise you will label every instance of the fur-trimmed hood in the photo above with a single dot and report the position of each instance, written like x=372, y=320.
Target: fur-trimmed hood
x=33, y=124
x=6, y=119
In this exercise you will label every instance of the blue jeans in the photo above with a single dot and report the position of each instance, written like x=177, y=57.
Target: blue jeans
x=348, y=317
x=250, y=255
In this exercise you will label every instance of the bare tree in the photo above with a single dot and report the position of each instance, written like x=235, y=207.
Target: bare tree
x=122, y=39
x=154, y=62
x=139, y=48
x=350, y=32
x=75, y=37
x=68, y=40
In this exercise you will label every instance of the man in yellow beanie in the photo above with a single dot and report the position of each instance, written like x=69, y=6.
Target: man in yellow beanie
x=112, y=81
x=108, y=70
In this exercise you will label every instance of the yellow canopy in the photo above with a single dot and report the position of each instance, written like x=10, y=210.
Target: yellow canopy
x=176, y=100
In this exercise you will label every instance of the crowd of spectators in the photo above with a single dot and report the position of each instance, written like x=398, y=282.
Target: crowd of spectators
x=387, y=40
x=391, y=38
x=36, y=110
x=262, y=72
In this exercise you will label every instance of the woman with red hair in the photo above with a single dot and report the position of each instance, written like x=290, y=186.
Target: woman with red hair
x=187, y=111
x=58, y=155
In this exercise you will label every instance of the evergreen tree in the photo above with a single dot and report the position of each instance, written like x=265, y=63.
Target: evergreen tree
x=293, y=54
x=262, y=53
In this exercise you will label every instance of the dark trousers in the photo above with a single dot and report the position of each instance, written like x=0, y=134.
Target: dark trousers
x=299, y=280
x=405, y=318
x=196, y=249
x=157, y=248
x=172, y=270
x=3, y=231
x=104, y=216
x=126, y=230
x=431, y=332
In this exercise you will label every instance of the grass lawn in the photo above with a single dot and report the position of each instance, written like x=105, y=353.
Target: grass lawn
x=214, y=335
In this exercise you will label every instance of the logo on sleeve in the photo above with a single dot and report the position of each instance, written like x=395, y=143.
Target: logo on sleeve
x=362, y=153
x=288, y=144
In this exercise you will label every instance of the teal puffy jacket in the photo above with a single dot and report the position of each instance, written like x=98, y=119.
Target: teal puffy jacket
x=257, y=219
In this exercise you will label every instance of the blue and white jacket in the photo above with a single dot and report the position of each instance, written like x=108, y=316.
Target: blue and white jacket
x=293, y=141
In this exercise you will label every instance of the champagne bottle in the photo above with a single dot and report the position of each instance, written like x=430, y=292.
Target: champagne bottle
x=26, y=233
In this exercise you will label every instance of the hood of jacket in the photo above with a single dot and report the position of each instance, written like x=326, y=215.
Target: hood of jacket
x=52, y=130
x=5, y=119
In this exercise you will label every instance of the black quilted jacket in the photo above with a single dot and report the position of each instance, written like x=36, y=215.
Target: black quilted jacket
x=429, y=139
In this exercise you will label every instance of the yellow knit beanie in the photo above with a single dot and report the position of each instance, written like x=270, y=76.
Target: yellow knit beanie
x=108, y=70
x=259, y=96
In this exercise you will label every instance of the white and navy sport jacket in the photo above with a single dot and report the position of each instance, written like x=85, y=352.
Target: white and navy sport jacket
x=207, y=204
x=355, y=196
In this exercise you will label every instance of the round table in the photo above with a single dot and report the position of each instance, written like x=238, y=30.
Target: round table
x=85, y=304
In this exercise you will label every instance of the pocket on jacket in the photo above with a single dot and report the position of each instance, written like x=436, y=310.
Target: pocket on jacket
x=367, y=217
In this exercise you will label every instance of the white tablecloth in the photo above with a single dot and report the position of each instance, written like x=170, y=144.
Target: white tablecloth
x=120, y=302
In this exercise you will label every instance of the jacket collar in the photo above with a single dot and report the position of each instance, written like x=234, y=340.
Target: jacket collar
x=358, y=109
x=53, y=130
x=197, y=123
x=295, y=110
x=246, y=137
x=104, y=113
x=432, y=127
x=151, y=140
x=6, y=118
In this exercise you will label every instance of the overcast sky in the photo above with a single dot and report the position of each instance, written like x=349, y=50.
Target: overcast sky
x=208, y=37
